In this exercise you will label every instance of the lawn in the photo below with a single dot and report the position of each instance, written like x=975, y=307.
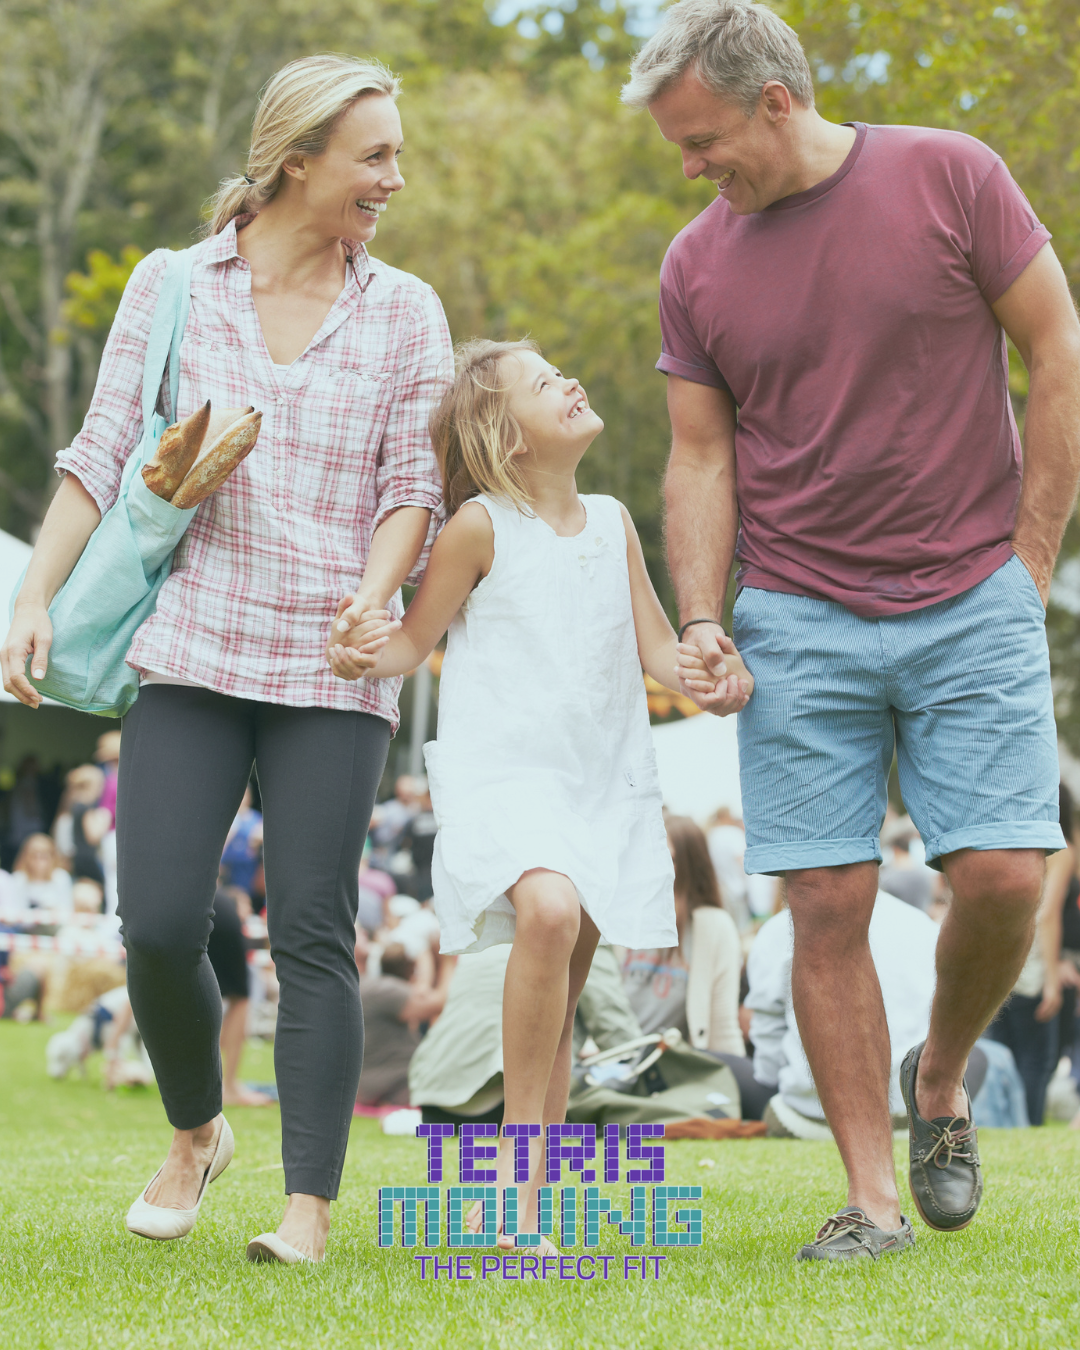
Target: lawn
x=73, y=1157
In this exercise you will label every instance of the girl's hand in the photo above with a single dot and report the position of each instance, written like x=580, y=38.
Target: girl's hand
x=349, y=663
x=729, y=694
x=352, y=610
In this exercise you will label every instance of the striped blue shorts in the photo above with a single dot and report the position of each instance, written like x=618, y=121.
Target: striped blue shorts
x=961, y=689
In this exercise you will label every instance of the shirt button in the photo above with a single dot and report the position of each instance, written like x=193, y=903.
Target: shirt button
x=598, y=540
x=581, y=557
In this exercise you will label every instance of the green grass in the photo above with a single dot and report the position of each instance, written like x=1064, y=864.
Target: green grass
x=72, y=1158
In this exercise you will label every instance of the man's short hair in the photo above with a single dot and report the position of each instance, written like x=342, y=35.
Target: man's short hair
x=735, y=49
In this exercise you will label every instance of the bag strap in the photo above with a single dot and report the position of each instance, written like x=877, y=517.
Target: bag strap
x=167, y=332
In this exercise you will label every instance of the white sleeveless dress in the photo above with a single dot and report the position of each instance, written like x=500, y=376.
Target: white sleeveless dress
x=544, y=756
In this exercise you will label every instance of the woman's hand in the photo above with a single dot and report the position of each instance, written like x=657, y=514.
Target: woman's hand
x=356, y=654
x=30, y=634
x=352, y=611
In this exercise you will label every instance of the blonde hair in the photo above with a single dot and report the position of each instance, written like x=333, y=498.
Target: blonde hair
x=475, y=435
x=297, y=113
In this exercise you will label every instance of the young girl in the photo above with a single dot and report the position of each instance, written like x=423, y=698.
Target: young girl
x=543, y=777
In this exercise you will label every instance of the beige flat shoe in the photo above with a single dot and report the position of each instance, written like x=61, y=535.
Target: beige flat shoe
x=269, y=1247
x=162, y=1224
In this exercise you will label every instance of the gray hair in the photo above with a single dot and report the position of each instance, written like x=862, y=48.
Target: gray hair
x=735, y=49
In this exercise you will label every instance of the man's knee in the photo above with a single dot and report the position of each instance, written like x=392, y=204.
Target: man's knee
x=1003, y=879
x=831, y=905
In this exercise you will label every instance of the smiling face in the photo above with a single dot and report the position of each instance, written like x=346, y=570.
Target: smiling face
x=346, y=188
x=751, y=160
x=551, y=409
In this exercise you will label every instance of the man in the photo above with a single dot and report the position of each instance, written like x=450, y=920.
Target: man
x=837, y=385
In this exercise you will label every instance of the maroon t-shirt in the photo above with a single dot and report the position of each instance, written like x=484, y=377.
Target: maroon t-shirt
x=877, y=459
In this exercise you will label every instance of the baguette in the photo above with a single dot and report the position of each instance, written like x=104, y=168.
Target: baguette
x=221, y=457
x=177, y=451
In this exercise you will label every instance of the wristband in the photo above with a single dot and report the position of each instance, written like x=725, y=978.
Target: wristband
x=690, y=623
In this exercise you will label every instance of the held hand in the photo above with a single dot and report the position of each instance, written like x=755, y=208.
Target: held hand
x=31, y=633
x=721, y=696
x=350, y=663
x=350, y=611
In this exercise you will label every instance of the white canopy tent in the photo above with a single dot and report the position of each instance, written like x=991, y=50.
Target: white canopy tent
x=698, y=763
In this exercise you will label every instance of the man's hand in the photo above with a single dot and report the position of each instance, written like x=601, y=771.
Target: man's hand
x=31, y=633
x=1040, y=574
x=719, y=682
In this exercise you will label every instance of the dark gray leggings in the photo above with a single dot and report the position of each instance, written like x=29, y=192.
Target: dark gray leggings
x=185, y=759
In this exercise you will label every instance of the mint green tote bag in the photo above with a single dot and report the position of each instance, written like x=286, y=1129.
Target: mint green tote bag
x=113, y=587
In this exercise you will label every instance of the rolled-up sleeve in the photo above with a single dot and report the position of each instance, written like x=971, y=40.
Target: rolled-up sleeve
x=682, y=351
x=112, y=427
x=406, y=472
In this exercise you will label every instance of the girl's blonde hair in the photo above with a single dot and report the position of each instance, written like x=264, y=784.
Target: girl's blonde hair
x=297, y=113
x=475, y=435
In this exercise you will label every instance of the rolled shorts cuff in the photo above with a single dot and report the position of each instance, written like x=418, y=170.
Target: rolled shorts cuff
x=776, y=858
x=1044, y=834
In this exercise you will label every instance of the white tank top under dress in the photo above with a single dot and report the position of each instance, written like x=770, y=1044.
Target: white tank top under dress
x=544, y=756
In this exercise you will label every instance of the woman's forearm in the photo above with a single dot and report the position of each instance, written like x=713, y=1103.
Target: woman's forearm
x=395, y=547
x=72, y=518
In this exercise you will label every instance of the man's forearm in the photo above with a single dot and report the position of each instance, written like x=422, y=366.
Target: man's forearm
x=702, y=523
x=1051, y=464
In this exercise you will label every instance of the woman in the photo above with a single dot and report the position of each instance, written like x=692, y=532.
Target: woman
x=344, y=355
x=38, y=881
x=694, y=986
x=1028, y=1021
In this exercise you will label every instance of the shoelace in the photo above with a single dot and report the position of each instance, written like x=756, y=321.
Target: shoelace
x=948, y=1143
x=840, y=1225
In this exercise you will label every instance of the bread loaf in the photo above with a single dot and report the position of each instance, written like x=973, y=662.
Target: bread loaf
x=218, y=460
x=177, y=451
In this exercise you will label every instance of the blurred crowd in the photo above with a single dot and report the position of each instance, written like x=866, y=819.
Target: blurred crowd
x=705, y=1028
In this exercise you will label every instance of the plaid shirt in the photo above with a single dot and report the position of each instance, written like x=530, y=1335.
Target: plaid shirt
x=344, y=442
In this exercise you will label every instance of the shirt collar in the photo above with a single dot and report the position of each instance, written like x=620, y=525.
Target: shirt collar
x=221, y=248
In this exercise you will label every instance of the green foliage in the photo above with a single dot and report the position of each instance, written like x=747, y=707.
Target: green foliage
x=535, y=202
x=93, y=295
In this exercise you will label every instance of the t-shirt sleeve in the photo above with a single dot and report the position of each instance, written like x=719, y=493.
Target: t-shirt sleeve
x=1005, y=233
x=681, y=351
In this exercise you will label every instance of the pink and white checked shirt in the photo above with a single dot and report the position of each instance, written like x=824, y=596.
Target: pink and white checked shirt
x=344, y=442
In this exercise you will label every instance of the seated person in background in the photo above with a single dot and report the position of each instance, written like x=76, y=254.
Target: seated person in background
x=243, y=846
x=109, y=1026
x=227, y=953
x=908, y=878
x=393, y=1008
x=389, y=819
x=456, y=1074
x=376, y=887
x=694, y=986
x=38, y=881
x=82, y=824
x=902, y=942
x=419, y=840
x=86, y=924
